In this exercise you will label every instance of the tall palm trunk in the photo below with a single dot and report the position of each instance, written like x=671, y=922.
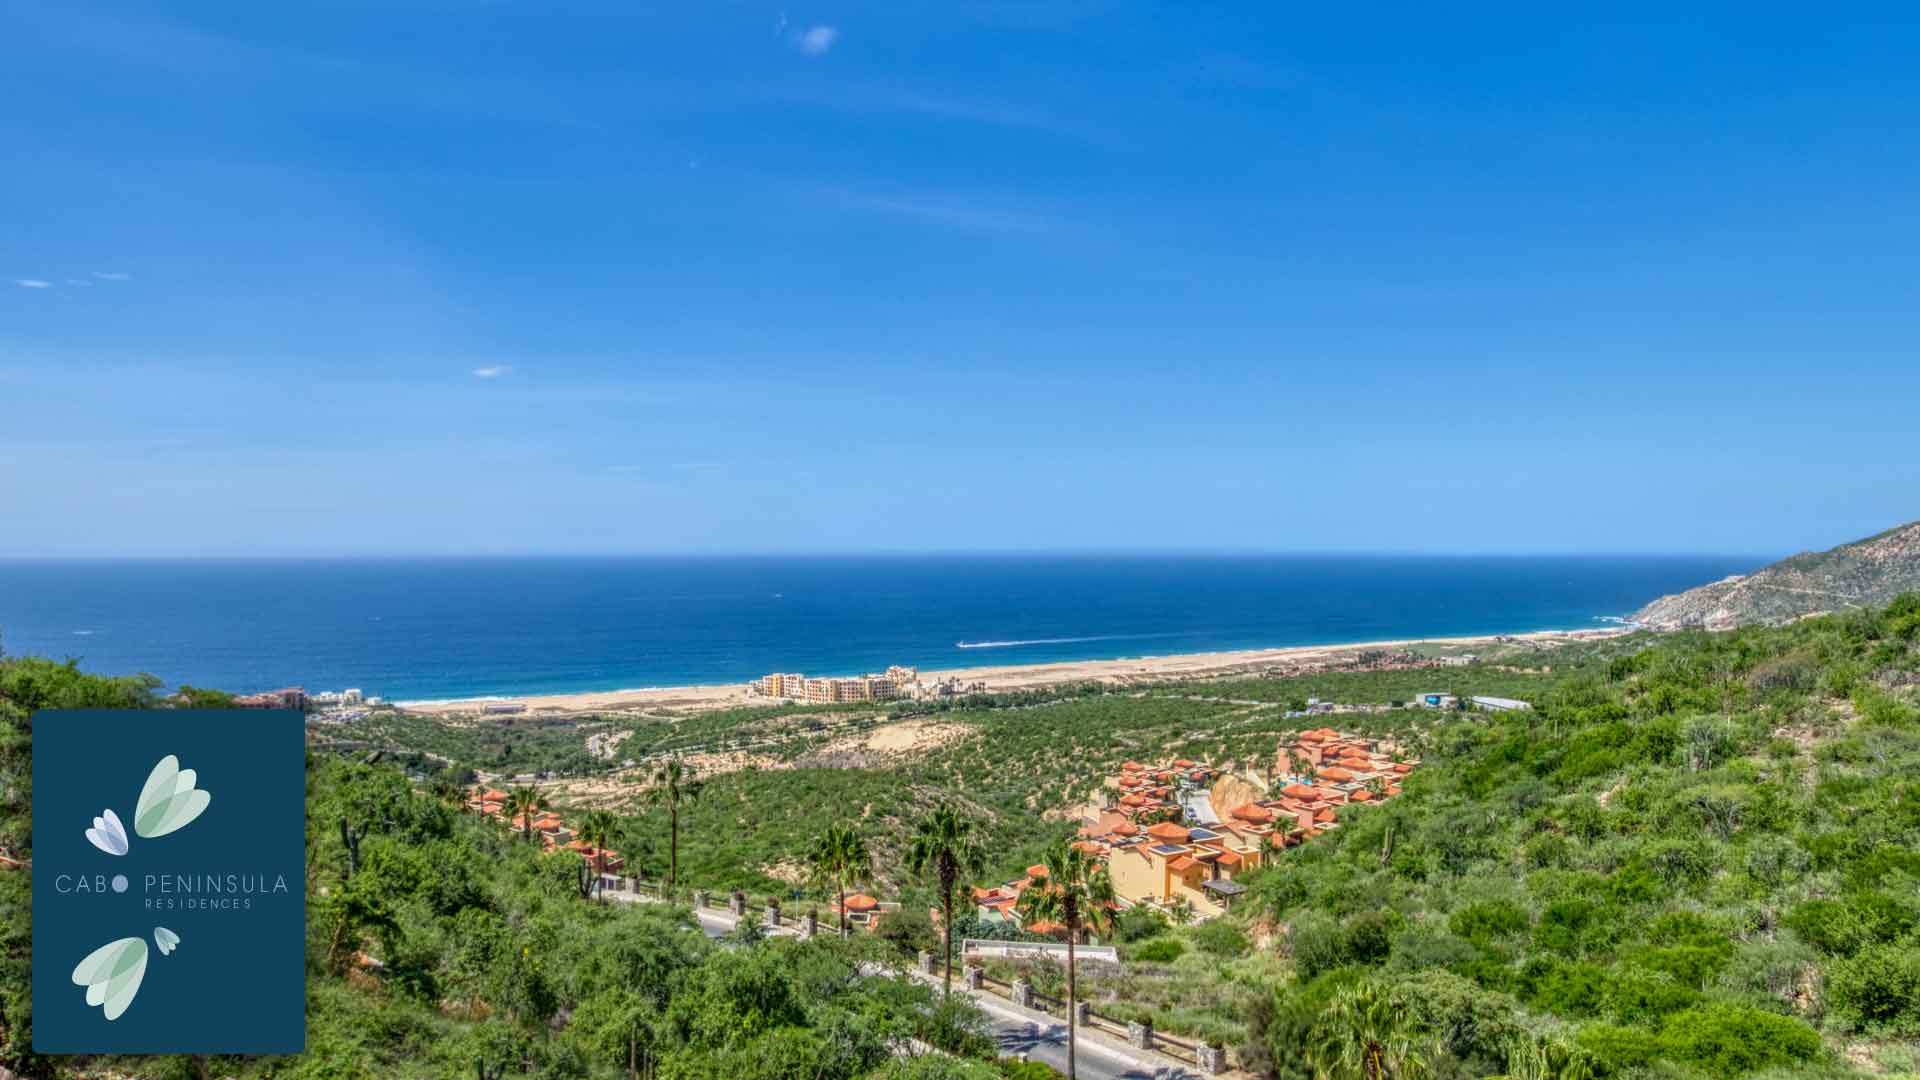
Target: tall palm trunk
x=947, y=873
x=1073, y=1038
x=673, y=846
x=843, y=909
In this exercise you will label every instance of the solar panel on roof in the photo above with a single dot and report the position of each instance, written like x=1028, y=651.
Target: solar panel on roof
x=1201, y=834
x=1166, y=849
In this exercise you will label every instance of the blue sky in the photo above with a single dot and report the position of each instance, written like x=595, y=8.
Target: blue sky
x=496, y=277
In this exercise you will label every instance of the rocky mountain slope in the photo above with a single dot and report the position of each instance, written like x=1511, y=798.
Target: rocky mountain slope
x=1870, y=571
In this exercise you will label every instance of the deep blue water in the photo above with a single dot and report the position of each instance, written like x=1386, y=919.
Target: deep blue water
x=431, y=628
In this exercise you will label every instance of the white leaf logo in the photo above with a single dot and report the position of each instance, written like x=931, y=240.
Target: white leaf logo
x=169, y=801
x=112, y=974
x=108, y=834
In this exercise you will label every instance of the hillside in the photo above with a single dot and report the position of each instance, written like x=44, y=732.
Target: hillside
x=1865, y=572
x=1694, y=860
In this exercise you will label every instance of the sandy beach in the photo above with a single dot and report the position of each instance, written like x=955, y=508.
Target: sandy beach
x=673, y=699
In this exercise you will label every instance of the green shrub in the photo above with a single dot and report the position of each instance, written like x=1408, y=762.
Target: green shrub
x=1367, y=937
x=1159, y=951
x=1726, y=1040
x=1317, y=945
x=1843, y=927
x=1647, y=997
x=1568, y=989
x=1218, y=937
x=1620, y=1048
x=1139, y=924
x=1488, y=921
x=1879, y=988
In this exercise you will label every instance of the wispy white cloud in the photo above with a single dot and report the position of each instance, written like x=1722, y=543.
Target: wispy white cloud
x=815, y=41
x=32, y=283
x=966, y=213
x=111, y=275
x=492, y=371
x=80, y=283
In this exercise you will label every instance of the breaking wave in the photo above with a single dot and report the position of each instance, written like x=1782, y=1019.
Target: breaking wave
x=1053, y=641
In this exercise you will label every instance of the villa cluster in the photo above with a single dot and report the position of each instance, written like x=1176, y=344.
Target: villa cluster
x=1000, y=903
x=548, y=826
x=863, y=912
x=1166, y=846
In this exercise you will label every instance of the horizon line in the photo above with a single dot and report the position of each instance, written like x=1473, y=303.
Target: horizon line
x=887, y=553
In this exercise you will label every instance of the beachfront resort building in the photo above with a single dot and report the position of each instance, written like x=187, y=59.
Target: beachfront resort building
x=1168, y=844
x=288, y=697
x=896, y=682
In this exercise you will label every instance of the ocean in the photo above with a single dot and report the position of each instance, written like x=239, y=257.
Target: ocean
x=441, y=628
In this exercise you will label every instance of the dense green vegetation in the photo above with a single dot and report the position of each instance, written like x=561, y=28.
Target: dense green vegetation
x=1700, y=857
x=444, y=946
x=1697, y=858
x=557, y=747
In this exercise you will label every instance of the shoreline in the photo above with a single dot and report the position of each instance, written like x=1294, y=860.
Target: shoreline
x=996, y=677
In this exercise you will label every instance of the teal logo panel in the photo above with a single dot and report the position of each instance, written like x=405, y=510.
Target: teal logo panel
x=169, y=910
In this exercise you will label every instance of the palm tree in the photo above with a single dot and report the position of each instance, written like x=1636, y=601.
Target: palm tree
x=944, y=843
x=1077, y=894
x=1364, y=1034
x=522, y=804
x=597, y=829
x=673, y=784
x=1546, y=1058
x=840, y=857
x=448, y=793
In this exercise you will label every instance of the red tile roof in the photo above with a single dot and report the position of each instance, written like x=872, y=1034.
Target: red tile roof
x=1182, y=864
x=1167, y=830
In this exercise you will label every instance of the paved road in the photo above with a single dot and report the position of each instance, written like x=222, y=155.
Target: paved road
x=1046, y=1042
x=1017, y=1032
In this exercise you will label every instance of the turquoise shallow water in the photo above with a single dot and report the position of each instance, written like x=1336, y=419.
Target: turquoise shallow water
x=432, y=628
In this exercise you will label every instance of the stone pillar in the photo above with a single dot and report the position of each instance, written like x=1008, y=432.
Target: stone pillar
x=973, y=978
x=699, y=899
x=926, y=962
x=773, y=916
x=1023, y=993
x=739, y=904
x=1082, y=1012
x=812, y=923
x=1213, y=1060
x=1140, y=1035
